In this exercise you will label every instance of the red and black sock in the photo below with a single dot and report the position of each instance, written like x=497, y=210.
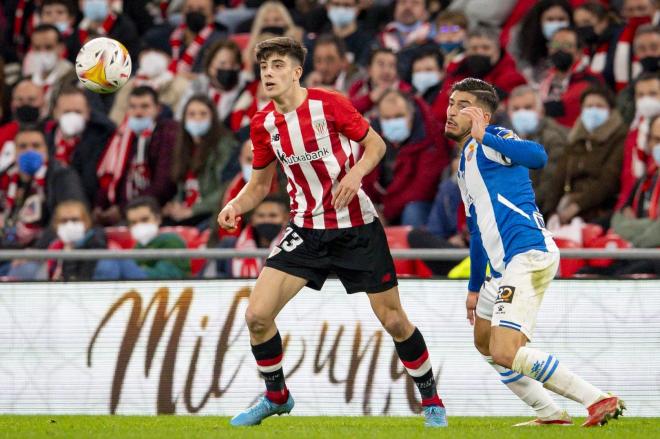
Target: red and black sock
x=415, y=358
x=269, y=363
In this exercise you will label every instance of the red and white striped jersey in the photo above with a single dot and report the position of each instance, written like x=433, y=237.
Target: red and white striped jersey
x=316, y=145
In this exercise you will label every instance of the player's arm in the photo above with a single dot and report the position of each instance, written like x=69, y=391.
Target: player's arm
x=478, y=261
x=521, y=152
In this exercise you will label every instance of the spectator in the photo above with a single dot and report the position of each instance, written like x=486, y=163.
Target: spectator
x=138, y=158
x=62, y=15
x=263, y=231
x=410, y=25
x=191, y=39
x=484, y=12
x=331, y=67
x=222, y=80
x=144, y=219
x=31, y=188
x=646, y=47
x=443, y=219
x=46, y=63
x=526, y=113
x=78, y=136
x=635, y=156
x=561, y=90
x=427, y=76
x=343, y=16
x=599, y=29
x=530, y=40
x=203, y=150
x=99, y=20
x=587, y=179
x=153, y=71
x=405, y=181
x=451, y=30
x=382, y=76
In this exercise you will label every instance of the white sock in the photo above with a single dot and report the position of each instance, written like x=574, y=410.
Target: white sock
x=546, y=369
x=531, y=392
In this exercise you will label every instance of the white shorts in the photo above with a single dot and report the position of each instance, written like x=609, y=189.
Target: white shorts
x=513, y=300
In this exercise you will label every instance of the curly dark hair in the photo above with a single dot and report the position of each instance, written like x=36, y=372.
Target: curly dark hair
x=483, y=91
x=532, y=43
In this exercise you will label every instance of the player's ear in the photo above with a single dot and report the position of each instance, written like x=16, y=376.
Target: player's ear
x=297, y=73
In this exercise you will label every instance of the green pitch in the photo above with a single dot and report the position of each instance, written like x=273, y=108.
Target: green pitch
x=303, y=427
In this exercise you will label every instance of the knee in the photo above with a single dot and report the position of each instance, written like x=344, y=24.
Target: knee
x=396, y=324
x=502, y=355
x=257, y=322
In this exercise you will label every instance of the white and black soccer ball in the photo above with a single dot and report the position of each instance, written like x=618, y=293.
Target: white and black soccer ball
x=103, y=65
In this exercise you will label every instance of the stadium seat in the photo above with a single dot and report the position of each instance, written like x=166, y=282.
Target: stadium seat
x=120, y=235
x=397, y=238
x=590, y=232
x=188, y=234
x=609, y=240
x=241, y=40
x=568, y=267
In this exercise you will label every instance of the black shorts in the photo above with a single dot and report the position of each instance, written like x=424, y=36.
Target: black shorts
x=359, y=256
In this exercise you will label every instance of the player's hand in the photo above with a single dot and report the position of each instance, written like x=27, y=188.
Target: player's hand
x=471, y=306
x=228, y=219
x=476, y=114
x=347, y=188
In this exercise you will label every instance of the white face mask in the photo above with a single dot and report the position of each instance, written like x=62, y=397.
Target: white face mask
x=144, y=233
x=152, y=64
x=648, y=106
x=46, y=61
x=246, y=170
x=72, y=123
x=71, y=231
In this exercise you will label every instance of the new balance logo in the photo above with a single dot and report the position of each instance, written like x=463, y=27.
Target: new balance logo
x=307, y=157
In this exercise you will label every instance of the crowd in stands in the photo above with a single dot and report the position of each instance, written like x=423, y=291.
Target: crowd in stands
x=151, y=165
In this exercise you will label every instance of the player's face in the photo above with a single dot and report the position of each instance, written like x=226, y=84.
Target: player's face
x=279, y=73
x=458, y=125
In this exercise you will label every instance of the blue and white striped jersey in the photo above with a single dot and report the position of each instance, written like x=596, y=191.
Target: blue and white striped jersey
x=501, y=210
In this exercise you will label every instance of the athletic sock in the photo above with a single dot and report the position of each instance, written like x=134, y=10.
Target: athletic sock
x=531, y=392
x=269, y=363
x=546, y=369
x=415, y=358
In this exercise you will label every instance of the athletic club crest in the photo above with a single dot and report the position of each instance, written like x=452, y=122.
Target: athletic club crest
x=320, y=128
x=470, y=152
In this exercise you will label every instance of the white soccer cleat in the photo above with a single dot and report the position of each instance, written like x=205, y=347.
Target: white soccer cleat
x=563, y=419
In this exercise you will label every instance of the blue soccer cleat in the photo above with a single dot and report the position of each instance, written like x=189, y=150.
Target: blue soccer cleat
x=435, y=415
x=260, y=411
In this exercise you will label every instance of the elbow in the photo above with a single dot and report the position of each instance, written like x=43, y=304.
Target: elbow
x=540, y=160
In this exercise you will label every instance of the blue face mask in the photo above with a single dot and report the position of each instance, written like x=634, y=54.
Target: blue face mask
x=656, y=154
x=525, y=122
x=341, y=16
x=95, y=10
x=395, y=130
x=197, y=128
x=449, y=46
x=62, y=26
x=139, y=124
x=550, y=27
x=29, y=162
x=593, y=117
x=422, y=81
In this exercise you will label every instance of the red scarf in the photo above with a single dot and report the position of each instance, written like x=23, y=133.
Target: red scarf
x=624, y=61
x=64, y=147
x=106, y=27
x=546, y=90
x=184, y=62
x=9, y=189
x=191, y=189
x=139, y=174
x=20, y=37
x=651, y=183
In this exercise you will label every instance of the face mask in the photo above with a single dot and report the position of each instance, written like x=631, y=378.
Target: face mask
x=593, y=117
x=268, y=231
x=449, y=46
x=562, y=60
x=139, y=124
x=195, y=21
x=656, y=154
x=407, y=28
x=246, y=170
x=422, y=81
x=144, y=233
x=72, y=123
x=341, y=16
x=587, y=34
x=197, y=128
x=62, y=26
x=395, y=130
x=175, y=19
x=478, y=65
x=95, y=10
x=27, y=114
x=650, y=63
x=550, y=27
x=275, y=30
x=153, y=64
x=46, y=61
x=648, y=106
x=525, y=122
x=29, y=162
x=227, y=78
x=71, y=231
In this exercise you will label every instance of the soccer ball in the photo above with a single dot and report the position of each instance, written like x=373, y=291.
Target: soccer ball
x=103, y=65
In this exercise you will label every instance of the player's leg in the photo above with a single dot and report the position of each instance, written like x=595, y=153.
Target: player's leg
x=272, y=291
x=531, y=392
x=523, y=285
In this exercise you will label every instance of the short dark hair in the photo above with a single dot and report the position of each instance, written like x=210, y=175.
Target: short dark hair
x=70, y=89
x=600, y=90
x=30, y=127
x=429, y=52
x=217, y=47
x=277, y=199
x=48, y=28
x=647, y=76
x=144, y=201
x=145, y=90
x=483, y=91
x=68, y=4
x=284, y=46
x=378, y=50
x=334, y=40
